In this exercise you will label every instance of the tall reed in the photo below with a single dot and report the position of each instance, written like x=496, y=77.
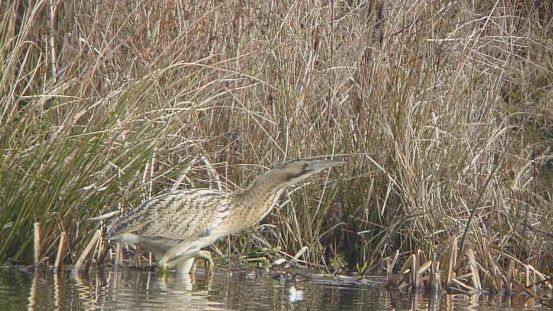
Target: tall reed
x=443, y=109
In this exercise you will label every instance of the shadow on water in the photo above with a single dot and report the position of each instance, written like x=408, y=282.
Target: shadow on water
x=127, y=289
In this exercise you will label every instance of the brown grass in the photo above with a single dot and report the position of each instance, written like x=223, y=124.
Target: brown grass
x=443, y=109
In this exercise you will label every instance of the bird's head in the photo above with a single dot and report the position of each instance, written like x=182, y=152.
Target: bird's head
x=293, y=172
x=265, y=190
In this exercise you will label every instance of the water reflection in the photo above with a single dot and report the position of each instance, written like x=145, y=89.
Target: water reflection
x=139, y=290
x=128, y=289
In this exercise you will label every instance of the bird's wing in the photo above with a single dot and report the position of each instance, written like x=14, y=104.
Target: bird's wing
x=180, y=215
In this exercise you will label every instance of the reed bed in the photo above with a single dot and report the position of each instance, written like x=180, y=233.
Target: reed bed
x=442, y=109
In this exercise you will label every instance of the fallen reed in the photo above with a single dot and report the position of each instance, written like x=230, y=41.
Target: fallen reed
x=443, y=110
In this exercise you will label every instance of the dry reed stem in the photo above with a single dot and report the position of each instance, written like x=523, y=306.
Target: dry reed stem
x=102, y=254
x=83, y=263
x=424, y=267
x=405, y=266
x=418, y=279
x=474, y=270
x=394, y=261
x=414, y=267
x=471, y=290
x=61, y=251
x=37, y=242
x=527, y=276
x=510, y=276
x=436, y=276
x=541, y=276
x=446, y=121
x=118, y=261
x=436, y=284
x=452, y=263
x=300, y=252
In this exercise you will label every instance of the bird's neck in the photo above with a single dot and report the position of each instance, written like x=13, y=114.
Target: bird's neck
x=260, y=197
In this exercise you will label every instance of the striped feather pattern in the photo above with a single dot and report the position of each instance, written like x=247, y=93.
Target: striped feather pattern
x=180, y=216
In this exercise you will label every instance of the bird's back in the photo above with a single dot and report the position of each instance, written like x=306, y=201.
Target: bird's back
x=178, y=216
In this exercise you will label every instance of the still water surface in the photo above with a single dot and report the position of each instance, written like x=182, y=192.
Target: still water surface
x=127, y=289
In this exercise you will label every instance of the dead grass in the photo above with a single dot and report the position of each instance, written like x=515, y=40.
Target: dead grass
x=443, y=110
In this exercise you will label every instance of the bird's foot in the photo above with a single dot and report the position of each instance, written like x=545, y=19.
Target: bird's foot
x=163, y=270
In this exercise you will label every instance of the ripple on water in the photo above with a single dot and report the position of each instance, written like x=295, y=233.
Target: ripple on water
x=14, y=289
x=128, y=289
x=138, y=290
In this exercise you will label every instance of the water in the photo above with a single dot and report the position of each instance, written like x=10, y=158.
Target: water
x=128, y=289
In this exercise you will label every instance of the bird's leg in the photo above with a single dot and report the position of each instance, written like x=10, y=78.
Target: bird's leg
x=185, y=267
x=171, y=254
x=177, y=256
x=206, y=255
x=194, y=266
x=209, y=266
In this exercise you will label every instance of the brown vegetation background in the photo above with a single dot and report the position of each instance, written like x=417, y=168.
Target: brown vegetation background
x=442, y=109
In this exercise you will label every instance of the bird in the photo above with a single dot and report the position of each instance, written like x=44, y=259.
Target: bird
x=176, y=226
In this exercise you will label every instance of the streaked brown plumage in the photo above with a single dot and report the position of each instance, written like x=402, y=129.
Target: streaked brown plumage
x=176, y=226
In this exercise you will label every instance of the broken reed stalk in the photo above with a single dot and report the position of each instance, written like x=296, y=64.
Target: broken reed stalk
x=424, y=267
x=468, y=289
x=37, y=232
x=137, y=256
x=527, y=276
x=392, y=264
x=510, y=276
x=118, y=256
x=414, y=264
x=80, y=265
x=398, y=279
x=103, y=253
x=418, y=279
x=543, y=278
x=470, y=277
x=452, y=260
x=436, y=284
x=99, y=249
x=61, y=251
x=474, y=270
x=481, y=195
x=436, y=278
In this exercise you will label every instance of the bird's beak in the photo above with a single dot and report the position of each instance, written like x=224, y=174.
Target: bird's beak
x=318, y=165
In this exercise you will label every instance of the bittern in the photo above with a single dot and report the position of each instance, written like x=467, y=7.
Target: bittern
x=177, y=225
